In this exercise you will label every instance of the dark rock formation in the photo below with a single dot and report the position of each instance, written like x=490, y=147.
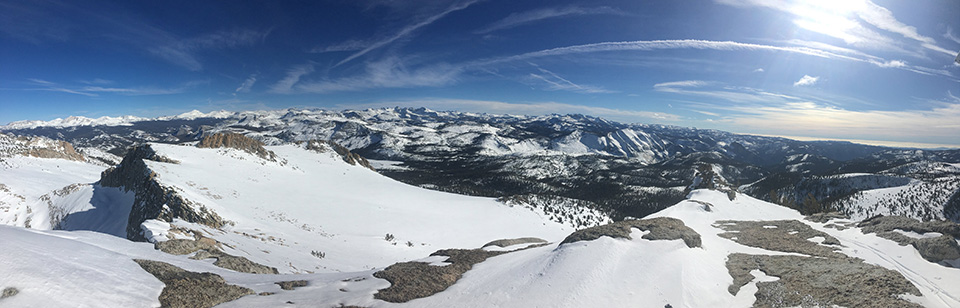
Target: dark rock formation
x=820, y=282
x=293, y=284
x=237, y=141
x=412, y=280
x=935, y=249
x=41, y=147
x=323, y=146
x=9, y=292
x=825, y=217
x=153, y=200
x=661, y=228
x=185, y=246
x=191, y=289
x=779, y=235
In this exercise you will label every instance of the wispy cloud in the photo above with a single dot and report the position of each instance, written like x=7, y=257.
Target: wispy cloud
x=93, y=91
x=556, y=83
x=387, y=73
x=806, y=80
x=246, y=85
x=717, y=90
x=759, y=70
x=951, y=36
x=538, y=108
x=845, y=20
x=406, y=31
x=184, y=52
x=351, y=45
x=706, y=45
x=285, y=85
x=517, y=19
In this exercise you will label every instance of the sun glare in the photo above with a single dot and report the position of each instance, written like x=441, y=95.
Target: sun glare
x=833, y=18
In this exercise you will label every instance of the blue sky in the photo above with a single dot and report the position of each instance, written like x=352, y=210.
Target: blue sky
x=878, y=71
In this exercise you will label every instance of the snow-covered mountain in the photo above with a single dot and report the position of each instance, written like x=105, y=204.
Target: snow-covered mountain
x=230, y=220
x=627, y=170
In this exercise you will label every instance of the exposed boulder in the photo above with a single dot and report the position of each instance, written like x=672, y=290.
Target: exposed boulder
x=9, y=292
x=184, y=246
x=237, y=141
x=293, y=284
x=661, y=228
x=153, y=200
x=933, y=249
x=779, y=235
x=412, y=280
x=191, y=289
x=820, y=282
x=825, y=217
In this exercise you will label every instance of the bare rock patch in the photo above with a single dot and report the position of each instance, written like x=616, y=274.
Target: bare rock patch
x=191, y=289
x=661, y=228
x=779, y=235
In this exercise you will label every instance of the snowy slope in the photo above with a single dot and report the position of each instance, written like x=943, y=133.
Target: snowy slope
x=48, y=193
x=605, y=272
x=283, y=210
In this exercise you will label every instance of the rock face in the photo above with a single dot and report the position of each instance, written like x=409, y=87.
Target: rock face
x=933, y=249
x=153, y=200
x=9, y=292
x=779, y=235
x=207, y=248
x=191, y=289
x=412, y=280
x=237, y=141
x=661, y=228
x=41, y=147
x=348, y=157
x=820, y=282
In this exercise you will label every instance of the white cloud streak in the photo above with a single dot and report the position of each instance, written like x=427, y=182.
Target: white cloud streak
x=286, y=84
x=406, y=31
x=386, y=73
x=246, y=85
x=517, y=19
x=94, y=91
x=806, y=80
x=557, y=83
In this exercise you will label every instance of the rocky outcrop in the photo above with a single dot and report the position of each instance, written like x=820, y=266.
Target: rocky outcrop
x=290, y=285
x=207, y=248
x=780, y=235
x=153, y=200
x=661, y=228
x=9, y=292
x=323, y=146
x=41, y=147
x=820, y=282
x=235, y=263
x=825, y=217
x=237, y=141
x=191, y=289
x=412, y=280
x=933, y=249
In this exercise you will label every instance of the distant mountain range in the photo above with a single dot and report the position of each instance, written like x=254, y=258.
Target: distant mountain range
x=623, y=169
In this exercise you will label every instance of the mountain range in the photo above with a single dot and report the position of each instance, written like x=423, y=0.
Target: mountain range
x=418, y=208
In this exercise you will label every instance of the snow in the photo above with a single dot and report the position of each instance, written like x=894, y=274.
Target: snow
x=40, y=192
x=329, y=206
x=606, y=272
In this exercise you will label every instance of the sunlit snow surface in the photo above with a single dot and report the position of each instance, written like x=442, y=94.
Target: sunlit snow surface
x=308, y=201
x=56, y=267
